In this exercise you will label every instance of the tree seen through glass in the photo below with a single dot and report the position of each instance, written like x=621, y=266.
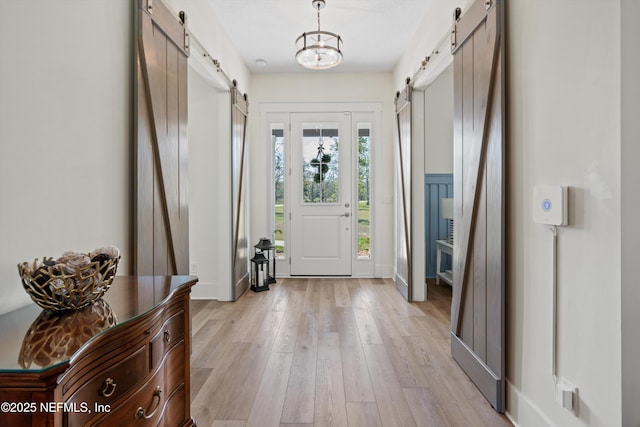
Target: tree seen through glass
x=364, y=193
x=320, y=168
x=277, y=138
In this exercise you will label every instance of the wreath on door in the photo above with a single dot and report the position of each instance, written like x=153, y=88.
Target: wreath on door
x=321, y=163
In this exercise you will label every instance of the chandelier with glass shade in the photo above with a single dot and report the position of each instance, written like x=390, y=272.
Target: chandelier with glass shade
x=319, y=50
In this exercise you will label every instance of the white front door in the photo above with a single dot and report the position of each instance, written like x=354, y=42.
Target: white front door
x=320, y=202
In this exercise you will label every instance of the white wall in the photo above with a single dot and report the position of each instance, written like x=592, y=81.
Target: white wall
x=436, y=25
x=564, y=129
x=209, y=173
x=206, y=249
x=438, y=99
x=66, y=126
x=327, y=87
x=65, y=132
x=204, y=25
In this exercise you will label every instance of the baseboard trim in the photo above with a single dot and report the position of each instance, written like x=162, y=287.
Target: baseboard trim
x=240, y=287
x=204, y=291
x=522, y=411
x=402, y=286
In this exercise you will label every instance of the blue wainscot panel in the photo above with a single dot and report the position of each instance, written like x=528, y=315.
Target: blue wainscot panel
x=437, y=186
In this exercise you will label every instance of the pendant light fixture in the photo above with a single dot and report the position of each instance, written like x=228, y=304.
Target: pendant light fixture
x=318, y=50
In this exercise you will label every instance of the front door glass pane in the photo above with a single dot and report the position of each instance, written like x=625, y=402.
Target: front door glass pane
x=320, y=163
x=277, y=139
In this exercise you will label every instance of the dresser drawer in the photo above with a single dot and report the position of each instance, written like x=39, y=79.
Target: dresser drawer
x=112, y=348
x=174, y=368
x=175, y=414
x=172, y=332
x=144, y=408
x=108, y=385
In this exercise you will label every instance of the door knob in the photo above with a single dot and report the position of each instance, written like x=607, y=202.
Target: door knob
x=346, y=205
x=347, y=214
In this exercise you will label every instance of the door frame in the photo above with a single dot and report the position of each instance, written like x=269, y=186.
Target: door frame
x=279, y=112
x=439, y=61
x=215, y=275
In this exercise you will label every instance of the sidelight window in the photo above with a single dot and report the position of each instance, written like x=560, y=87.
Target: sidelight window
x=364, y=190
x=278, y=141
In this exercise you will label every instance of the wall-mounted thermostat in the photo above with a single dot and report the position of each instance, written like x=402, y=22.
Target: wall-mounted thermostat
x=550, y=205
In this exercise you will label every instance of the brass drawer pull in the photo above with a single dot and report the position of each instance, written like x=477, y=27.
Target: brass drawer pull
x=142, y=413
x=167, y=336
x=108, y=388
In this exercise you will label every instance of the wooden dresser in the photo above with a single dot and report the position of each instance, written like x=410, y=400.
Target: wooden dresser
x=122, y=362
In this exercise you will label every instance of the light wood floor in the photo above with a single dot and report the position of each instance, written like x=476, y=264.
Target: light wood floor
x=330, y=352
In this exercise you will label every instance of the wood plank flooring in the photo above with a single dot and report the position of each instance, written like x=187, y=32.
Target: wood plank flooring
x=330, y=352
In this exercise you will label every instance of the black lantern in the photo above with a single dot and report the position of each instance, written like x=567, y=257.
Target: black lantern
x=266, y=247
x=260, y=273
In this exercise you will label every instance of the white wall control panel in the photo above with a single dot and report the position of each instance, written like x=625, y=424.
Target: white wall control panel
x=550, y=205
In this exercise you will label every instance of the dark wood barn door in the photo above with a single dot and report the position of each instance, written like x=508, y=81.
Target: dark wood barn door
x=478, y=308
x=161, y=237
x=239, y=174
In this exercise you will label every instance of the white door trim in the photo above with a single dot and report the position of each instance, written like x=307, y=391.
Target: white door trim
x=278, y=112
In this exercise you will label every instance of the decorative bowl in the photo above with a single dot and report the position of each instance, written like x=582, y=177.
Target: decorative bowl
x=71, y=282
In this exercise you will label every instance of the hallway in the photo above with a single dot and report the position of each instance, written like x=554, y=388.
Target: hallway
x=330, y=352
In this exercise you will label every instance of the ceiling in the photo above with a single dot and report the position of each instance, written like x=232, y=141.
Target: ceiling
x=374, y=32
